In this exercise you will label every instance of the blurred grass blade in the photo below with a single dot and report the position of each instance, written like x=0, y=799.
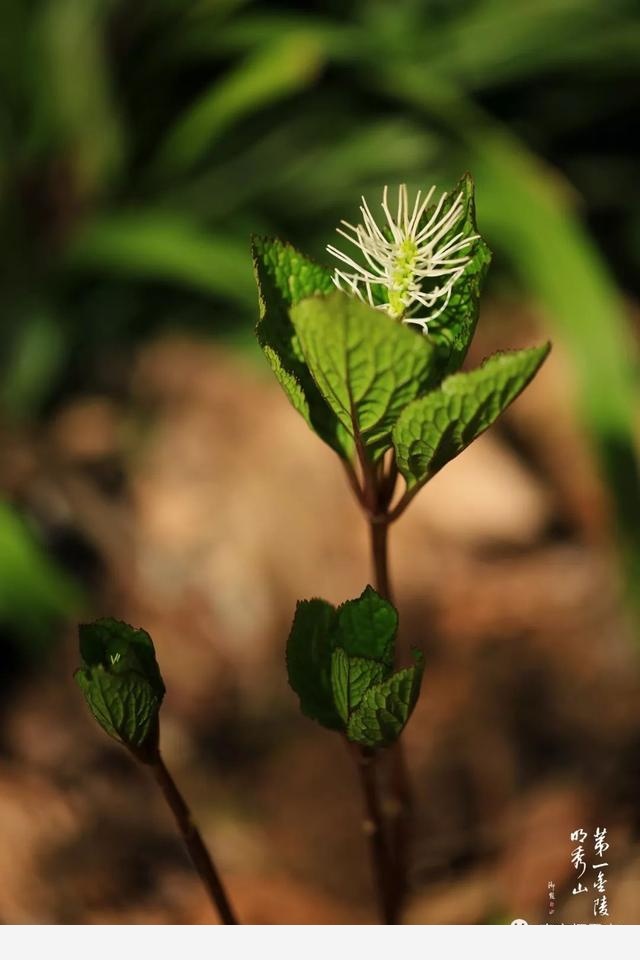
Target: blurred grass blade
x=72, y=105
x=33, y=592
x=387, y=150
x=316, y=180
x=524, y=213
x=556, y=260
x=36, y=352
x=155, y=245
x=497, y=41
x=273, y=72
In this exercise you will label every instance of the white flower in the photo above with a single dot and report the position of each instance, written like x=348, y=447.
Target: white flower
x=405, y=257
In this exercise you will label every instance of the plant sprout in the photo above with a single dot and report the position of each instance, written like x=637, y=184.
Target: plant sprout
x=392, y=403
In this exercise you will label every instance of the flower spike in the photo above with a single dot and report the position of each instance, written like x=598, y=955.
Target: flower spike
x=410, y=266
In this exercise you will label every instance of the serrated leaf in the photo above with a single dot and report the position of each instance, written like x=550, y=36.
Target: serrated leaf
x=386, y=707
x=309, y=650
x=120, y=649
x=434, y=429
x=368, y=367
x=121, y=680
x=285, y=277
x=366, y=627
x=351, y=677
x=453, y=330
x=125, y=706
x=341, y=689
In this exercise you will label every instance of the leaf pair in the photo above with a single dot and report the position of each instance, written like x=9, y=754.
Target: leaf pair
x=121, y=681
x=340, y=663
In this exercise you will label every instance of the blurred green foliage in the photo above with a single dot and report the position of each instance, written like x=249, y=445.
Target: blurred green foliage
x=33, y=592
x=141, y=143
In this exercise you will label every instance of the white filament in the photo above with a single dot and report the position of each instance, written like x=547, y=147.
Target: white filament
x=414, y=253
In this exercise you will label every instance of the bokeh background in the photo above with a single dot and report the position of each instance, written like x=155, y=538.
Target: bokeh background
x=151, y=469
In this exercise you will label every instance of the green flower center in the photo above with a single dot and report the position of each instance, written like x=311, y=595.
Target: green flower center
x=401, y=276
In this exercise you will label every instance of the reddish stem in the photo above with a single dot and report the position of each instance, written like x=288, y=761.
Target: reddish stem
x=193, y=841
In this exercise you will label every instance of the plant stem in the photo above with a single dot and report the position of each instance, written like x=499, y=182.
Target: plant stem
x=375, y=498
x=378, y=532
x=193, y=840
x=400, y=784
x=373, y=826
x=401, y=822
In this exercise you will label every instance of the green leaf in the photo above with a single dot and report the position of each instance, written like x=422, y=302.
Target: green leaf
x=339, y=664
x=120, y=649
x=351, y=677
x=125, y=706
x=368, y=367
x=34, y=593
x=453, y=330
x=121, y=680
x=367, y=627
x=433, y=430
x=309, y=650
x=285, y=277
x=386, y=707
